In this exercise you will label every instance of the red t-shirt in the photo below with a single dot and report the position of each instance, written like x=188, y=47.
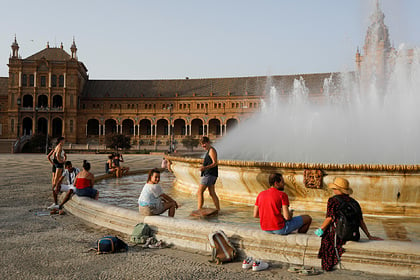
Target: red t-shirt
x=269, y=204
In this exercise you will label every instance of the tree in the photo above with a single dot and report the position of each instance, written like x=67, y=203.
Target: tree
x=118, y=141
x=190, y=143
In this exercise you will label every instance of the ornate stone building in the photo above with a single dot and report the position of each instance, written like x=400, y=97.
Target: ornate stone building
x=50, y=93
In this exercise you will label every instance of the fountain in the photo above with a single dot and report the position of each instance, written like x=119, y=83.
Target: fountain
x=361, y=128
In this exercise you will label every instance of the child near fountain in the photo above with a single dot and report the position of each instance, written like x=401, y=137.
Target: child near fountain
x=152, y=200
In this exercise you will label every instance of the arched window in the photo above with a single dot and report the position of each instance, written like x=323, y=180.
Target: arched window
x=31, y=80
x=28, y=101
x=57, y=101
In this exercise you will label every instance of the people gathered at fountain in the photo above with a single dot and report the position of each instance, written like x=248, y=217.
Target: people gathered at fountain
x=331, y=244
x=209, y=173
x=84, y=182
x=272, y=208
x=152, y=200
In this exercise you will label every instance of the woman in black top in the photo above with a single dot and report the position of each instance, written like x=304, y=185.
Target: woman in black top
x=209, y=174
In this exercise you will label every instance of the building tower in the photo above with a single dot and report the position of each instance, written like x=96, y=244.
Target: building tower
x=373, y=64
x=73, y=49
x=15, y=49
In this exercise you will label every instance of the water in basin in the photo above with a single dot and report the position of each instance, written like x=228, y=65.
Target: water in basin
x=124, y=192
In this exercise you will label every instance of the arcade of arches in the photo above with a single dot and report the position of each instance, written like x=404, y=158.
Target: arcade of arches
x=159, y=128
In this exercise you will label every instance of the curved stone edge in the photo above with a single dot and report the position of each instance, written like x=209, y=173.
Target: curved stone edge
x=384, y=257
x=396, y=168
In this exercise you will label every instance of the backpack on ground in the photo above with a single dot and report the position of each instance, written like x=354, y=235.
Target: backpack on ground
x=348, y=220
x=222, y=249
x=141, y=233
x=110, y=244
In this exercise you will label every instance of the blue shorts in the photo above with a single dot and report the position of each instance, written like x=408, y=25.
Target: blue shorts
x=89, y=192
x=289, y=226
x=208, y=180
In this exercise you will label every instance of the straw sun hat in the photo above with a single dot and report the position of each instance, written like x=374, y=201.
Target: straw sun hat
x=341, y=184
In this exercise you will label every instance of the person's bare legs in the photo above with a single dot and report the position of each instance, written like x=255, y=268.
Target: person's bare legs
x=170, y=206
x=66, y=198
x=214, y=196
x=200, y=196
x=307, y=220
x=57, y=176
x=55, y=194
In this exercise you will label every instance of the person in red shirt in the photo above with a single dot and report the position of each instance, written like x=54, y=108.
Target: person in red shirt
x=272, y=207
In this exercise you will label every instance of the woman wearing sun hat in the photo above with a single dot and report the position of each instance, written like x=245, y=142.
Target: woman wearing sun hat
x=327, y=251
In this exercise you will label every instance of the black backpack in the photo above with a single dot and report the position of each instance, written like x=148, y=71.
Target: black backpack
x=109, y=244
x=348, y=220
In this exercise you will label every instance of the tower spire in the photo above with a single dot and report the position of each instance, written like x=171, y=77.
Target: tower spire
x=15, y=49
x=73, y=49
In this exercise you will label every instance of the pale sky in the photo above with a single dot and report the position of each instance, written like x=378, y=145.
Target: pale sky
x=174, y=39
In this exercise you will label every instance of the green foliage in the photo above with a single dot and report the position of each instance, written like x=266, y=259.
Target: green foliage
x=118, y=141
x=190, y=143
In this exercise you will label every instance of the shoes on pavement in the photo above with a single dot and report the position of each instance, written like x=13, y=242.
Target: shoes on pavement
x=53, y=206
x=259, y=265
x=247, y=263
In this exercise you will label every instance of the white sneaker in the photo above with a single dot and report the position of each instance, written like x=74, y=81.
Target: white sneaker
x=53, y=206
x=259, y=265
x=247, y=263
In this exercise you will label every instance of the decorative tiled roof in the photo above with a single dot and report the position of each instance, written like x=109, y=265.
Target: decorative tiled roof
x=3, y=86
x=51, y=54
x=241, y=86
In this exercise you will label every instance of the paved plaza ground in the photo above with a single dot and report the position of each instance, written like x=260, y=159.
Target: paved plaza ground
x=56, y=247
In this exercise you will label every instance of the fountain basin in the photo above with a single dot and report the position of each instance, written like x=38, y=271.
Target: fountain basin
x=384, y=190
x=394, y=258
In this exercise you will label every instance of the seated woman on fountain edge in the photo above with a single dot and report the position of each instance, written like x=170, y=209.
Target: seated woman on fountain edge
x=152, y=200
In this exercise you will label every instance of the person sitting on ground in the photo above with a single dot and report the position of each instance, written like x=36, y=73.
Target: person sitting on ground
x=328, y=252
x=84, y=182
x=153, y=200
x=120, y=170
x=272, y=207
x=70, y=174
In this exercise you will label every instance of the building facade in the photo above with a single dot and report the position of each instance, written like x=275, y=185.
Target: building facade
x=50, y=93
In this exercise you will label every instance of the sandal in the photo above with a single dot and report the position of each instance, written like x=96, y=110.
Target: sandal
x=309, y=272
x=158, y=245
x=294, y=269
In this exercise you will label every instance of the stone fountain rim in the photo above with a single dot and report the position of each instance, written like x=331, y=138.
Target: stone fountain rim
x=395, y=168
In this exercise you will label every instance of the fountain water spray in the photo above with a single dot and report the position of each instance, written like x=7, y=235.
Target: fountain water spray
x=370, y=116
